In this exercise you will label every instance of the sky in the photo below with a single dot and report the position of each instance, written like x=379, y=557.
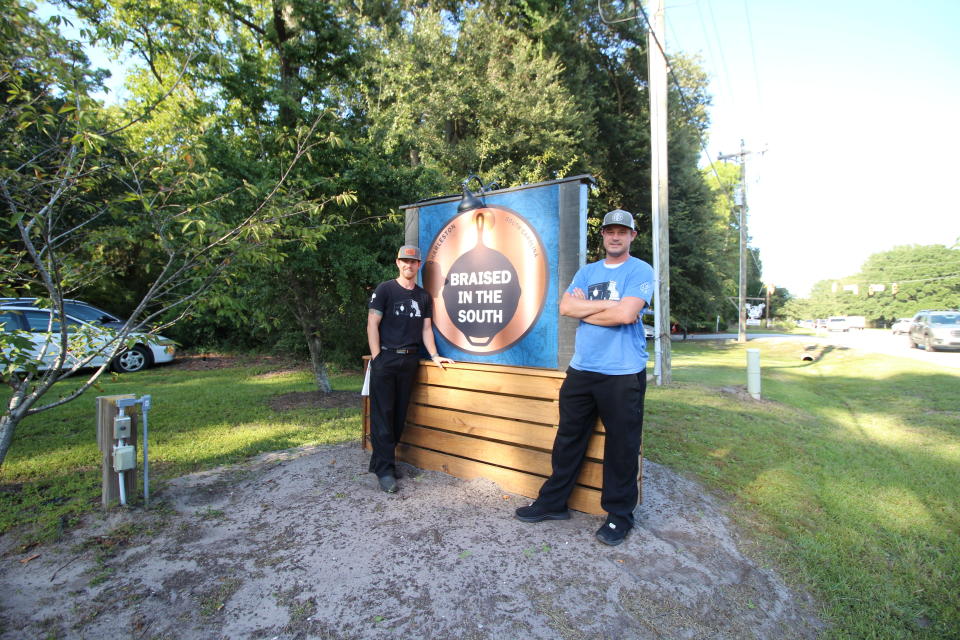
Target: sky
x=851, y=112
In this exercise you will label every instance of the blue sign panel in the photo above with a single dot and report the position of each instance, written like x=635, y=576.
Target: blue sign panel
x=494, y=270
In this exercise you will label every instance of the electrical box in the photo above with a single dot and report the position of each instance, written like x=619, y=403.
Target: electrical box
x=125, y=457
x=121, y=427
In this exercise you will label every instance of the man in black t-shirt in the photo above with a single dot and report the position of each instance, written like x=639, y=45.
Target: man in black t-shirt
x=399, y=320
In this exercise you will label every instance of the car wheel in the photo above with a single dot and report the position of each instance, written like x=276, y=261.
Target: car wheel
x=928, y=344
x=132, y=360
x=913, y=345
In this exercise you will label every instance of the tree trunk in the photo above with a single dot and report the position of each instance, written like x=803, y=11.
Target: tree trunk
x=319, y=367
x=304, y=313
x=8, y=425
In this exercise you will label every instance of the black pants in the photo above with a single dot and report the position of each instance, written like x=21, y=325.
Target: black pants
x=391, y=381
x=618, y=400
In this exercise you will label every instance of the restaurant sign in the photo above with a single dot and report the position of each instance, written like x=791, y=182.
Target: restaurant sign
x=493, y=271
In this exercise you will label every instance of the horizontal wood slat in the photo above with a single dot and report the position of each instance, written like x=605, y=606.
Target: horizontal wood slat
x=493, y=382
x=499, y=368
x=502, y=455
x=522, y=433
x=511, y=407
x=529, y=409
x=582, y=499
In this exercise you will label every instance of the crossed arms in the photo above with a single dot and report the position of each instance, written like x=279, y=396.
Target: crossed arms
x=604, y=313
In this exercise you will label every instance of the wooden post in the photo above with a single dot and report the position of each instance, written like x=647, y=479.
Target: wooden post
x=106, y=412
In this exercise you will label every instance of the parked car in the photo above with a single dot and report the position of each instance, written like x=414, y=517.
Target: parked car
x=647, y=331
x=901, y=325
x=936, y=329
x=74, y=308
x=36, y=322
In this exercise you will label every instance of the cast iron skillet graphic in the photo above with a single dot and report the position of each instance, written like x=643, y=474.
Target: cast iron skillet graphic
x=485, y=291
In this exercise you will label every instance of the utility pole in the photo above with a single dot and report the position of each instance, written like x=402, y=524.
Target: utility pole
x=742, y=306
x=657, y=83
x=769, y=289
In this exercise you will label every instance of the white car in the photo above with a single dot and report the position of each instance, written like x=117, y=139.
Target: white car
x=902, y=325
x=90, y=326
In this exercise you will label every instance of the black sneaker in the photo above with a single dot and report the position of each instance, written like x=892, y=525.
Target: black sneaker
x=388, y=484
x=612, y=534
x=533, y=513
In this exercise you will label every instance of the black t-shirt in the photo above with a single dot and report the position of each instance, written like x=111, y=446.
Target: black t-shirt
x=403, y=313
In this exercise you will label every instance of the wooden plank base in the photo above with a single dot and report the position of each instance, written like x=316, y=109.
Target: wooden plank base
x=495, y=422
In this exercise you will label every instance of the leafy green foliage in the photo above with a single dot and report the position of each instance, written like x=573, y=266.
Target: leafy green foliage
x=912, y=278
x=480, y=98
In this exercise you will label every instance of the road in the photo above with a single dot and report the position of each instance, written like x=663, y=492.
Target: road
x=873, y=340
x=882, y=341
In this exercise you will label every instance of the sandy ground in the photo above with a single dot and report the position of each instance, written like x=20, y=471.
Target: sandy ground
x=301, y=544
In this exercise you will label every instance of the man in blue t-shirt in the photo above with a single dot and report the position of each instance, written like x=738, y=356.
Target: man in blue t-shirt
x=399, y=320
x=607, y=377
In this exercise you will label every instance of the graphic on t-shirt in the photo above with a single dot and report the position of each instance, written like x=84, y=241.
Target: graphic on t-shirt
x=408, y=308
x=603, y=291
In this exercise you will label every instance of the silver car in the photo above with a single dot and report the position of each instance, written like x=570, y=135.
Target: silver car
x=936, y=329
x=93, y=324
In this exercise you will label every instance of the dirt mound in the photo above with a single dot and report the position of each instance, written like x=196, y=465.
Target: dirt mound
x=301, y=544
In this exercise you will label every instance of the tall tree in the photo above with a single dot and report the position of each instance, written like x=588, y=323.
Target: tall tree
x=274, y=68
x=474, y=98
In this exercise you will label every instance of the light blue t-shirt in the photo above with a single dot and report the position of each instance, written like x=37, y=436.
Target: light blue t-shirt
x=612, y=350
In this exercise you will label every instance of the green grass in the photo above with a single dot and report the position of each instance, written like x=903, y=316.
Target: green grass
x=848, y=471
x=198, y=419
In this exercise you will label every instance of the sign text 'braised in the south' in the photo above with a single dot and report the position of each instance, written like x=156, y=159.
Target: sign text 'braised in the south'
x=486, y=270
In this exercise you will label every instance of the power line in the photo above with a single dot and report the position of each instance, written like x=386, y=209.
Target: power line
x=753, y=55
x=689, y=110
x=723, y=58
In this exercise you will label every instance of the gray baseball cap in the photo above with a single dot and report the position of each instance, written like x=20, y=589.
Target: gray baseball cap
x=620, y=217
x=408, y=252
